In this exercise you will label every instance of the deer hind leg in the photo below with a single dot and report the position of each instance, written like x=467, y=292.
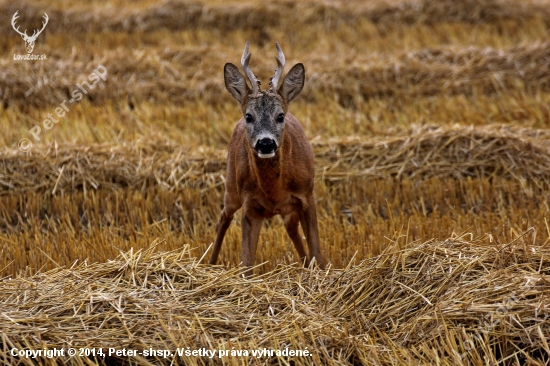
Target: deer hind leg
x=292, y=221
x=308, y=219
x=251, y=232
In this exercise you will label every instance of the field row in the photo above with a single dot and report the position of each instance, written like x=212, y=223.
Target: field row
x=251, y=15
x=183, y=74
x=428, y=151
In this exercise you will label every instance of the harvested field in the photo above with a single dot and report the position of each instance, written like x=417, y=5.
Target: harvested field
x=430, y=125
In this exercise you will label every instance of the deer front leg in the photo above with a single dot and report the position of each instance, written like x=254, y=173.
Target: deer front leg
x=251, y=226
x=230, y=207
x=311, y=229
x=221, y=228
x=291, y=224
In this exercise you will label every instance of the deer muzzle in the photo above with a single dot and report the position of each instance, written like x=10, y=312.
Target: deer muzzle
x=266, y=147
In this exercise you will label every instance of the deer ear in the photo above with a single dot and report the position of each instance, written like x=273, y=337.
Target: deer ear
x=293, y=83
x=235, y=82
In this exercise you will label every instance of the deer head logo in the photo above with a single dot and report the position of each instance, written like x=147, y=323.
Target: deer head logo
x=29, y=41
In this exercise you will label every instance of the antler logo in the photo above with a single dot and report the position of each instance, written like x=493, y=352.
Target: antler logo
x=29, y=41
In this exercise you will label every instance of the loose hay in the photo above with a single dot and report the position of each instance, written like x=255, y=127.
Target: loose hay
x=410, y=306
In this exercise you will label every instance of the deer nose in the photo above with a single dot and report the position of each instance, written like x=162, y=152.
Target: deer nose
x=266, y=146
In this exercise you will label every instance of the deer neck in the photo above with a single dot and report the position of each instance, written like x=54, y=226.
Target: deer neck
x=268, y=172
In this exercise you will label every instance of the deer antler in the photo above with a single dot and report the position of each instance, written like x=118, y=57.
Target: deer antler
x=280, y=66
x=15, y=16
x=34, y=34
x=244, y=62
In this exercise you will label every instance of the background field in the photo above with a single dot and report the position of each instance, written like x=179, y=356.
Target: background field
x=430, y=120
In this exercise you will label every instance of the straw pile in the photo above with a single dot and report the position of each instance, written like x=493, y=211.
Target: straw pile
x=430, y=151
x=140, y=165
x=510, y=153
x=460, y=301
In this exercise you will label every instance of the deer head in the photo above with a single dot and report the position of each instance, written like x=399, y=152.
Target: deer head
x=264, y=111
x=29, y=40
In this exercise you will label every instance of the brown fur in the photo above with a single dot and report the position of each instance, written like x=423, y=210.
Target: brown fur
x=282, y=185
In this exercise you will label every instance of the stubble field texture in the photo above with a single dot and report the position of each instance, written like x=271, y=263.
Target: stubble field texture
x=430, y=124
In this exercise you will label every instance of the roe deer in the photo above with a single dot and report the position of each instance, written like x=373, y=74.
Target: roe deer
x=270, y=167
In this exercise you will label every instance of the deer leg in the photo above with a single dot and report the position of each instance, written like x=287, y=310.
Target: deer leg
x=231, y=205
x=251, y=232
x=291, y=224
x=221, y=228
x=308, y=219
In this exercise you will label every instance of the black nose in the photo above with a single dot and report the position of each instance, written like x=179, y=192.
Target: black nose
x=266, y=145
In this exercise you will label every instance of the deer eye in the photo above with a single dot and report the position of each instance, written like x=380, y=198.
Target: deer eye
x=281, y=118
x=248, y=117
